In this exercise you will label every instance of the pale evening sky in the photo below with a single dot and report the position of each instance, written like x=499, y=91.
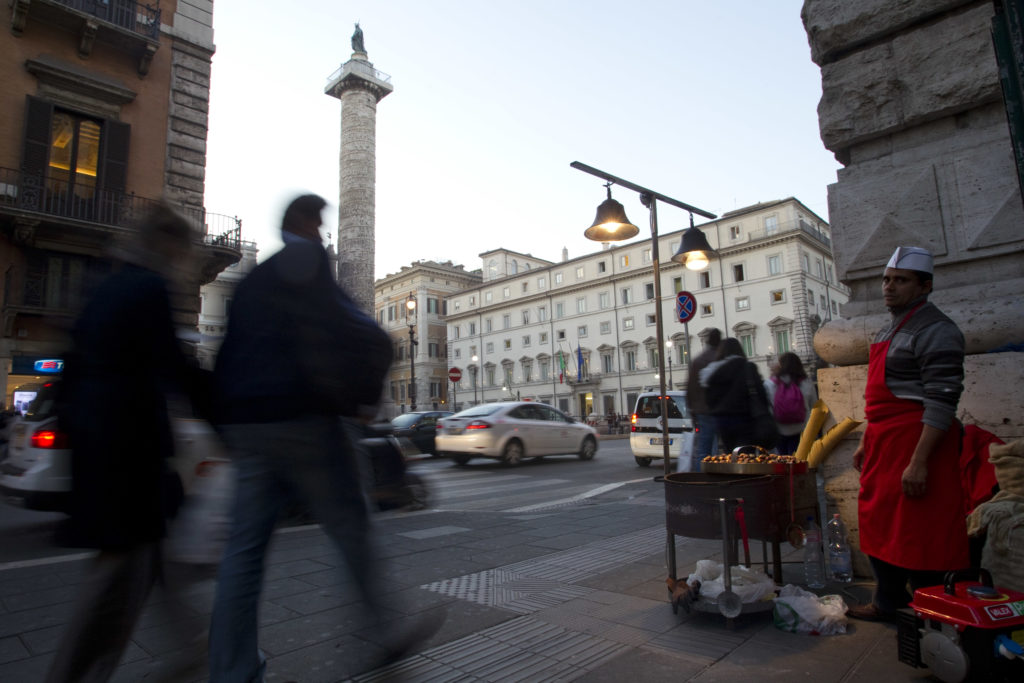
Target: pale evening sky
x=711, y=103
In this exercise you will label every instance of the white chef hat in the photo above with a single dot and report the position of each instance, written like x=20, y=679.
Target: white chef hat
x=912, y=258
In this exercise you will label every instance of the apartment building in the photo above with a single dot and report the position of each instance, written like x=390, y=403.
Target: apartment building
x=105, y=113
x=579, y=334
x=428, y=284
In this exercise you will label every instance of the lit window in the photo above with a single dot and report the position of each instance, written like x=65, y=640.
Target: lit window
x=706, y=310
x=624, y=260
x=778, y=296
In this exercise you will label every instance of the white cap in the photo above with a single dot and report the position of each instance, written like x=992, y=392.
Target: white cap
x=912, y=258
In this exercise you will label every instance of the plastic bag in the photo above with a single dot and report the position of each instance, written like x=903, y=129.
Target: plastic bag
x=800, y=611
x=200, y=530
x=750, y=584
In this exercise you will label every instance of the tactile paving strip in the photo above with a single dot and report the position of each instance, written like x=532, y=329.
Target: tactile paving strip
x=523, y=649
x=532, y=585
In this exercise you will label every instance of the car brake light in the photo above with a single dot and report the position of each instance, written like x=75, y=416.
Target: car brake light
x=49, y=438
x=478, y=424
x=632, y=422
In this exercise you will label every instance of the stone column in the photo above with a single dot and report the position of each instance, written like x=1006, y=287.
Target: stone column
x=912, y=107
x=359, y=87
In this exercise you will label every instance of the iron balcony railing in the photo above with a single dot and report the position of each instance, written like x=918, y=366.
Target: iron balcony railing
x=39, y=194
x=127, y=14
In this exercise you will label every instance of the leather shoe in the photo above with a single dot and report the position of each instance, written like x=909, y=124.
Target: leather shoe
x=869, y=612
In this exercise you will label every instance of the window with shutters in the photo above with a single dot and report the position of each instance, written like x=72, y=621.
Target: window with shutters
x=73, y=165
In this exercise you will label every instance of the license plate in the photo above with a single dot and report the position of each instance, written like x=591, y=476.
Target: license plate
x=660, y=441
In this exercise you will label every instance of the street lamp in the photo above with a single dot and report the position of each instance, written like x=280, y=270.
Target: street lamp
x=411, y=305
x=476, y=376
x=613, y=226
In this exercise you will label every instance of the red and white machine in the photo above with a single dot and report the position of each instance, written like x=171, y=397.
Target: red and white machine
x=965, y=630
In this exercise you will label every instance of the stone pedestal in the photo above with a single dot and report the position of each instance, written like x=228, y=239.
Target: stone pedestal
x=912, y=107
x=984, y=403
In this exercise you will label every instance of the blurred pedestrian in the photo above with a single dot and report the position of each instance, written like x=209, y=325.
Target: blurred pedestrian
x=791, y=396
x=298, y=357
x=124, y=488
x=733, y=384
x=706, y=439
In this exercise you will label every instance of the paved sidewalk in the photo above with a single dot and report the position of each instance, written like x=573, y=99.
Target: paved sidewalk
x=575, y=592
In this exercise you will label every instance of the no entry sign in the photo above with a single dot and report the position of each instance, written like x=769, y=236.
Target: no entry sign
x=455, y=374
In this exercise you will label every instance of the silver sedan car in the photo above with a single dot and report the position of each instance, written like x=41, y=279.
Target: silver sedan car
x=511, y=431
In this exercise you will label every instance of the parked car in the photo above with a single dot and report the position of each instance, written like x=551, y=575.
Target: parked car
x=511, y=431
x=36, y=473
x=646, y=436
x=419, y=428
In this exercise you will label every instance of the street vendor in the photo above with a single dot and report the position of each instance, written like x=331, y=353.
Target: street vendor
x=910, y=505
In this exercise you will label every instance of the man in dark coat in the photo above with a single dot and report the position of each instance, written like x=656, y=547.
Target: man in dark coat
x=696, y=399
x=114, y=389
x=298, y=356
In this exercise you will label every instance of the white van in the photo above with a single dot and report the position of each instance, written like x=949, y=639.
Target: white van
x=645, y=437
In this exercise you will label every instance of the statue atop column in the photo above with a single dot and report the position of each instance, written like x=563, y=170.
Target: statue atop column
x=357, y=40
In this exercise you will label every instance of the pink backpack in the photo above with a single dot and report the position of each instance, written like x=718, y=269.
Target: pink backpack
x=788, y=405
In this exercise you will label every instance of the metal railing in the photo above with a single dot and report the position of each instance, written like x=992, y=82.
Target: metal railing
x=783, y=228
x=359, y=67
x=51, y=197
x=127, y=14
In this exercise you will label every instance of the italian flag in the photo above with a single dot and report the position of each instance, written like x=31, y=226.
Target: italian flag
x=561, y=364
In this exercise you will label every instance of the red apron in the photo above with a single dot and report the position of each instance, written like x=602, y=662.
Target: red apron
x=927, y=532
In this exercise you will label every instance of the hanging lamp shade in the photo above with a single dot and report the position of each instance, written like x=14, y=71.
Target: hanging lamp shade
x=610, y=224
x=694, y=251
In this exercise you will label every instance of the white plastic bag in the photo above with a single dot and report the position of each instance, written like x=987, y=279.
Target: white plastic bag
x=750, y=584
x=199, y=531
x=800, y=611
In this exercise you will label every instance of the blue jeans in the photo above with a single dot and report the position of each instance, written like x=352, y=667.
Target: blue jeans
x=705, y=440
x=312, y=459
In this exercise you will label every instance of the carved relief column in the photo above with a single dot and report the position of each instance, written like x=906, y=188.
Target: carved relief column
x=359, y=87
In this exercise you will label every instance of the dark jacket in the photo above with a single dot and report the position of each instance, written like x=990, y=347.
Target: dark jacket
x=114, y=409
x=728, y=386
x=297, y=344
x=696, y=397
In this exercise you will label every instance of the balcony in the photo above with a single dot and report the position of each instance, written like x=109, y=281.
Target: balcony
x=783, y=229
x=125, y=24
x=45, y=214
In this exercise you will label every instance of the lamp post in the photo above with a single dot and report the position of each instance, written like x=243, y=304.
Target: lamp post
x=411, y=305
x=476, y=376
x=668, y=352
x=611, y=225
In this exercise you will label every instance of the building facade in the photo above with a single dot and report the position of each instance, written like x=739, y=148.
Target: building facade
x=215, y=302
x=429, y=284
x=579, y=334
x=106, y=114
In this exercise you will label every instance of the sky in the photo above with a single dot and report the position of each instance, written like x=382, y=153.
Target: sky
x=710, y=103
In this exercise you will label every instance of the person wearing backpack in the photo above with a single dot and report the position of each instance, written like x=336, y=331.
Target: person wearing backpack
x=791, y=395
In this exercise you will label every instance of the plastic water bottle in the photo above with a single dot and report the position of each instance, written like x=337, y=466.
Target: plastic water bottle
x=814, y=560
x=839, y=563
